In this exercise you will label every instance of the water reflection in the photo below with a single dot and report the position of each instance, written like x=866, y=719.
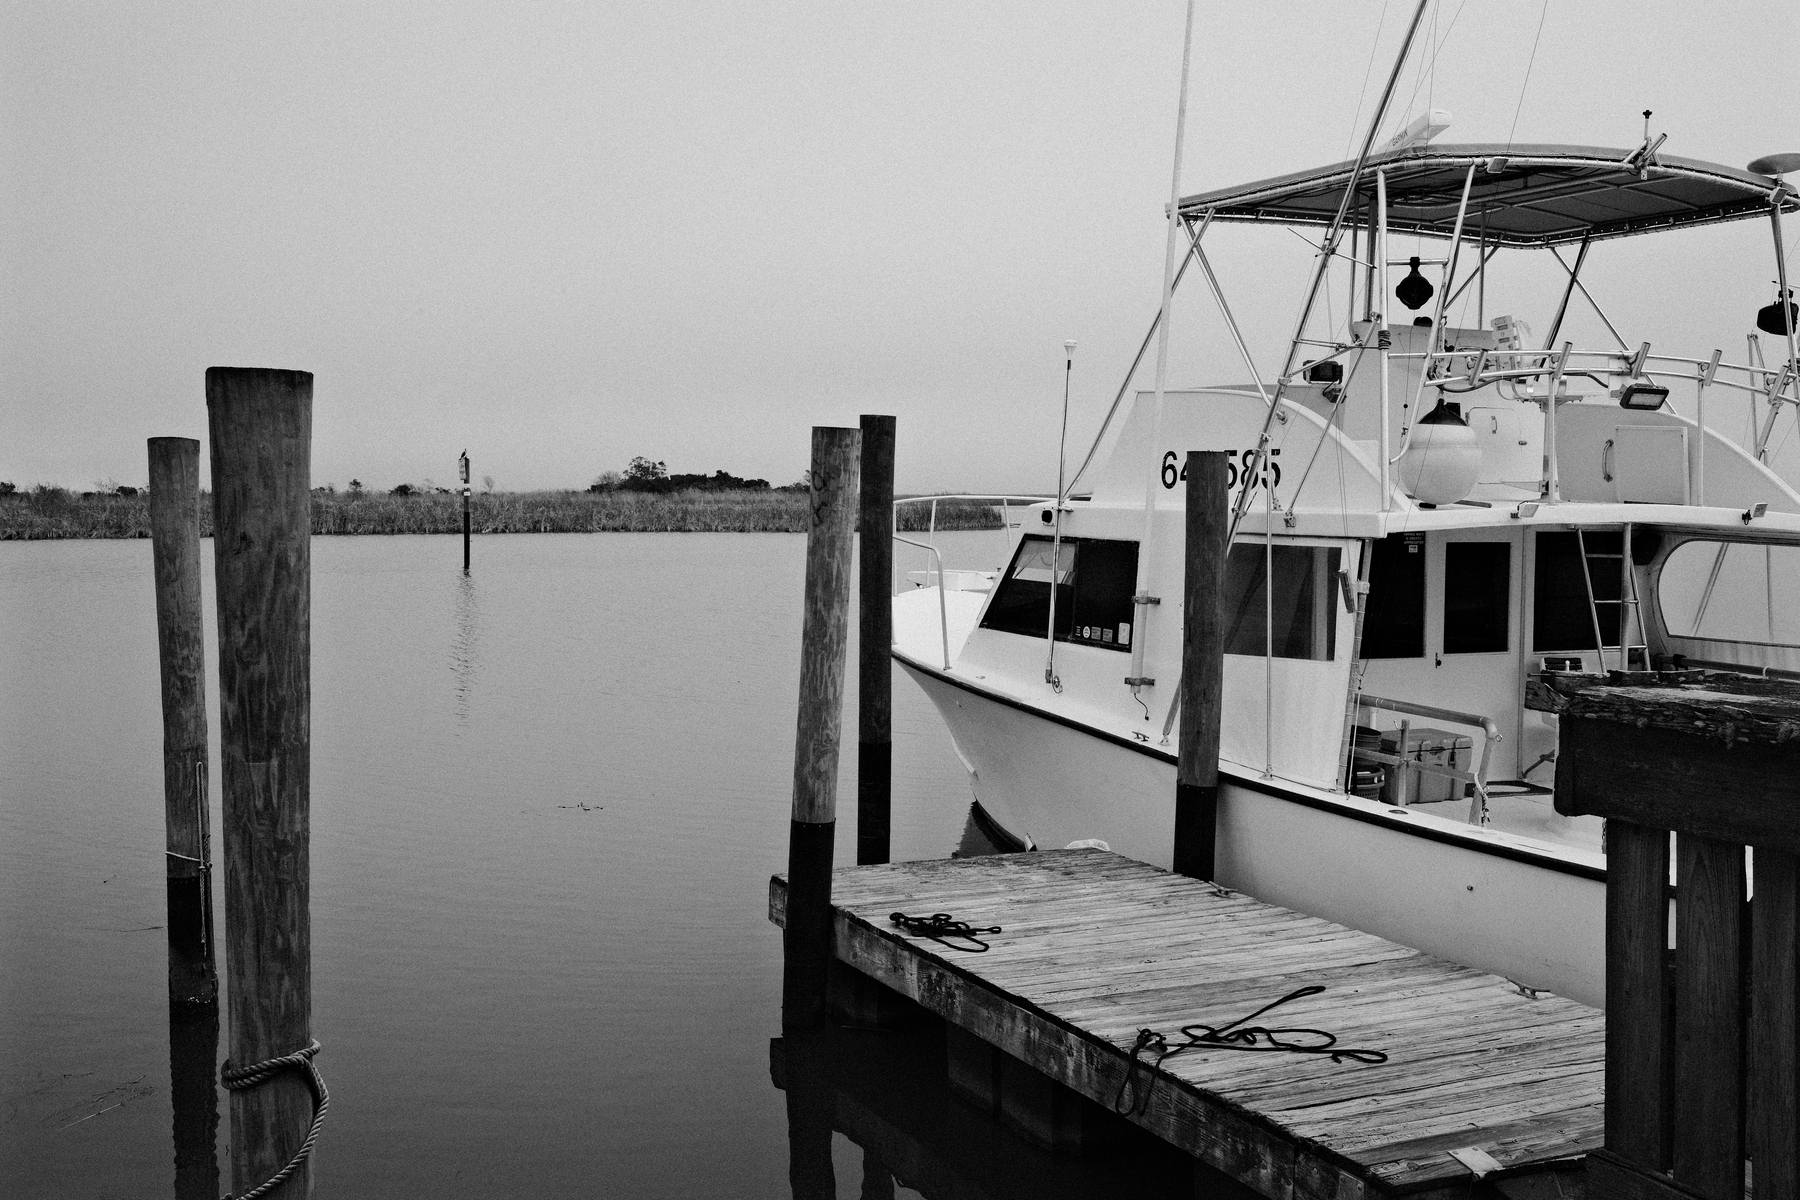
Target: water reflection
x=467, y=621
x=193, y=1054
x=887, y=1093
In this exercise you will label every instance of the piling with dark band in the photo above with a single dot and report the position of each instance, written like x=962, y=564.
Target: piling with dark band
x=1202, y=665
x=875, y=640
x=181, y=654
x=462, y=466
x=824, y=632
x=261, y=430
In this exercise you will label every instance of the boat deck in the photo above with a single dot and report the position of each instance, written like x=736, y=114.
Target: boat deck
x=1095, y=947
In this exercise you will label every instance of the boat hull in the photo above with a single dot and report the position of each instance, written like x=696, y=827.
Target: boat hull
x=1499, y=904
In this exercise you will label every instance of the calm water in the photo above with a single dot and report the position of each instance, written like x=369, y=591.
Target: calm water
x=546, y=803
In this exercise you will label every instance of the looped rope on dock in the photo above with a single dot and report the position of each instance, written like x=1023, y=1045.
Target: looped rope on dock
x=940, y=926
x=1230, y=1037
x=238, y=1079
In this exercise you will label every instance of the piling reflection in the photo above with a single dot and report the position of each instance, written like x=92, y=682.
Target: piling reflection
x=463, y=670
x=888, y=1093
x=194, y=1096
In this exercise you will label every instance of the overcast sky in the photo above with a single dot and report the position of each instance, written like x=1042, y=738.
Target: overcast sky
x=565, y=234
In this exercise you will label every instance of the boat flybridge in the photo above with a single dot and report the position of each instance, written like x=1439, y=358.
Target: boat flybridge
x=1429, y=513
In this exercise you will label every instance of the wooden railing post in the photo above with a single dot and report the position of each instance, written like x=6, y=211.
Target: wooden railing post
x=1708, y=1155
x=261, y=429
x=1202, y=665
x=1637, y=992
x=181, y=653
x=875, y=641
x=1774, y=1049
x=825, y=629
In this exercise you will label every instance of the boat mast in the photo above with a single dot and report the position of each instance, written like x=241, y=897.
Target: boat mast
x=1141, y=598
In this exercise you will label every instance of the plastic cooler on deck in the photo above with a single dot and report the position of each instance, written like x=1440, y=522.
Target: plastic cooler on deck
x=1433, y=747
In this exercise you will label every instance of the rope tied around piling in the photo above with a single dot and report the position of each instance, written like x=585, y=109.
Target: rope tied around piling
x=239, y=1079
x=1230, y=1037
x=940, y=927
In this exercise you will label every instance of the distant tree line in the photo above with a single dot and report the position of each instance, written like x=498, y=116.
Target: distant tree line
x=642, y=475
x=648, y=475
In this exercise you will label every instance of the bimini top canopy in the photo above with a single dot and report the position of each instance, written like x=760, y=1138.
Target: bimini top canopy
x=1522, y=195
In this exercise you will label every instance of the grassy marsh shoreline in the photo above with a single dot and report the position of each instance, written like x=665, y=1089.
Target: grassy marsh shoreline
x=54, y=514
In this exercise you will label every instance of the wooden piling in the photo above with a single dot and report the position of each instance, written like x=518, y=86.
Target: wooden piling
x=875, y=640
x=1202, y=665
x=261, y=430
x=811, y=831
x=181, y=654
x=462, y=465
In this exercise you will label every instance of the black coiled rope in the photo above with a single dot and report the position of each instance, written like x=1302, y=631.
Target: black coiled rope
x=1231, y=1037
x=940, y=927
x=237, y=1079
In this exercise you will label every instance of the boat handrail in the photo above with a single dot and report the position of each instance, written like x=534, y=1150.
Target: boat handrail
x=1775, y=383
x=931, y=531
x=1005, y=496
x=943, y=614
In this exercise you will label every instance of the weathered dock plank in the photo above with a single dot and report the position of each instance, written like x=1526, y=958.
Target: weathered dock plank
x=1096, y=947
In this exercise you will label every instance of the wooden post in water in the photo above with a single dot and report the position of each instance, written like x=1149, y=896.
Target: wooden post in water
x=1202, y=665
x=875, y=641
x=463, y=466
x=261, y=429
x=807, y=939
x=181, y=652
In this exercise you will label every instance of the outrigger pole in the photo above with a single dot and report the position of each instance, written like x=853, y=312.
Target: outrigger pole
x=1326, y=253
x=1141, y=598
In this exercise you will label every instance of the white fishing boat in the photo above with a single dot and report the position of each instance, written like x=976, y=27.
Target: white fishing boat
x=1428, y=513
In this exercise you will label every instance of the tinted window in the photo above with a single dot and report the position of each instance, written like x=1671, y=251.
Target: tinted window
x=1394, y=621
x=1094, y=581
x=1304, y=615
x=1561, y=619
x=1477, y=588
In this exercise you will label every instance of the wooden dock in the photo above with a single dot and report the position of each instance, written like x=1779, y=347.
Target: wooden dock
x=1096, y=946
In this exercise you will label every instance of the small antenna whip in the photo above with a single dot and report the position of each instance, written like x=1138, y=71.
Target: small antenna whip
x=1056, y=538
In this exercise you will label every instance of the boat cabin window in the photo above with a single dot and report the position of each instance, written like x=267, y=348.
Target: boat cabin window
x=1094, y=579
x=1730, y=592
x=1561, y=616
x=1304, y=611
x=1477, y=589
x=1394, y=618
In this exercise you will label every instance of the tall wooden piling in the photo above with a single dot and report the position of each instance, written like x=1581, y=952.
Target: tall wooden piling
x=807, y=940
x=875, y=640
x=1202, y=665
x=181, y=653
x=261, y=430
